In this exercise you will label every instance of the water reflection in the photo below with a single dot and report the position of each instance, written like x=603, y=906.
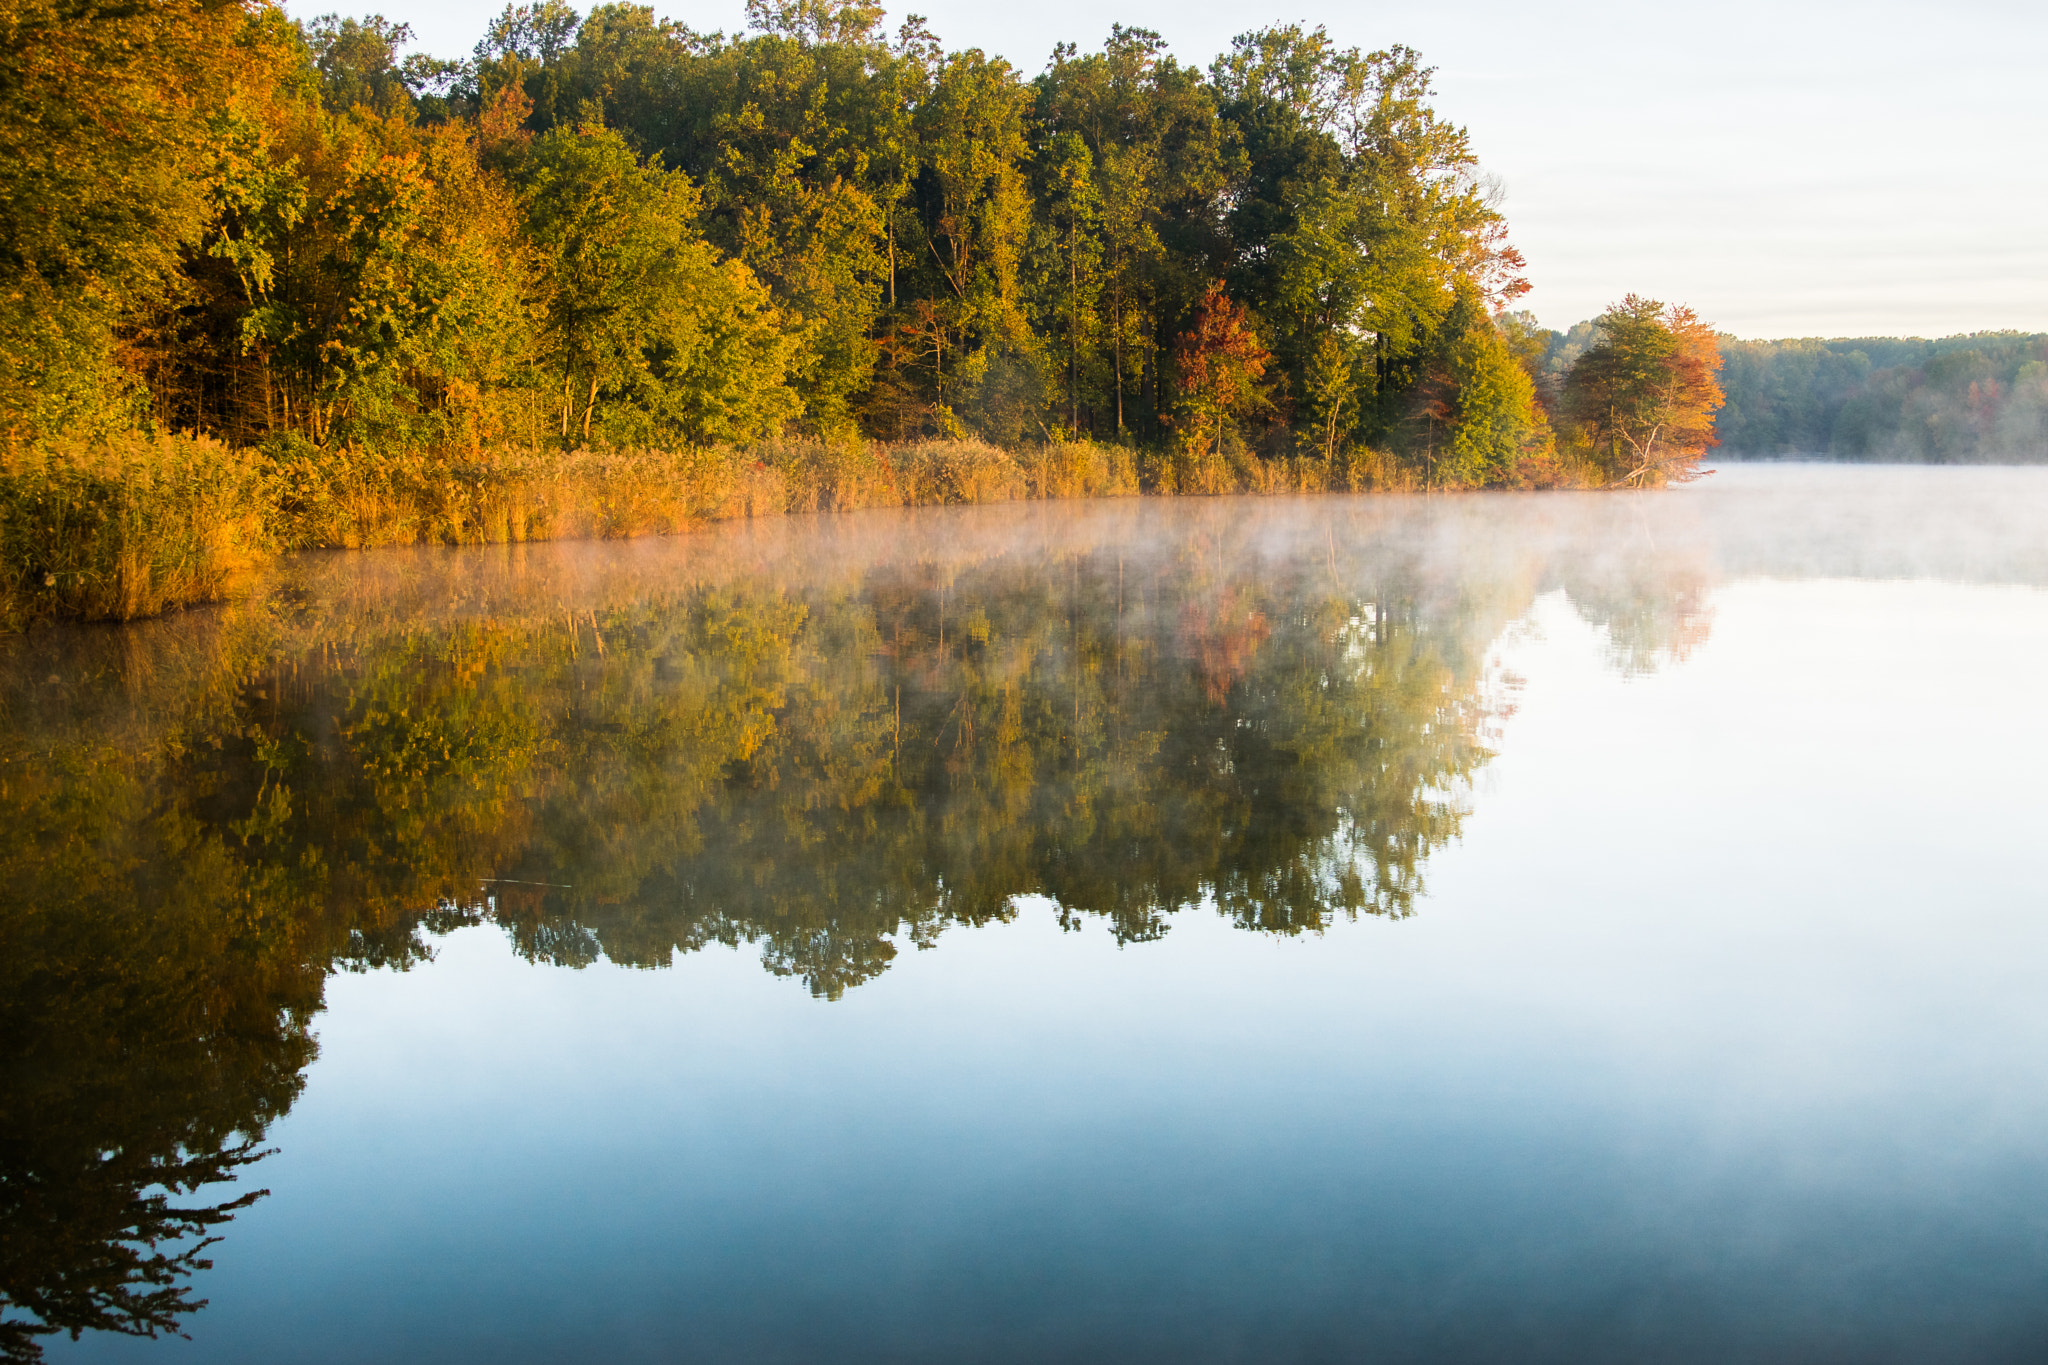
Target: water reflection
x=835, y=741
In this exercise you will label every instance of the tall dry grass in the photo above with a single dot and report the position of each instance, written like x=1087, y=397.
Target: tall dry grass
x=130, y=528
x=354, y=499
x=1217, y=473
x=127, y=528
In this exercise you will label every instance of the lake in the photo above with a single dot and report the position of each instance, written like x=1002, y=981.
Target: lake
x=1541, y=927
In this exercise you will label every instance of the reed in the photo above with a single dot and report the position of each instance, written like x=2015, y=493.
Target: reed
x=129, y=528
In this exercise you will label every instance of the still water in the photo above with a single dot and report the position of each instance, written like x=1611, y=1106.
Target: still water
x=1554, y=927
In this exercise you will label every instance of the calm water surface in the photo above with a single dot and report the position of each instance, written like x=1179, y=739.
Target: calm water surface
x=1575, y=928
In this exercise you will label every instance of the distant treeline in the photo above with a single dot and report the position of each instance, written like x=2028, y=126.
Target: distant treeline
x=1979, y=398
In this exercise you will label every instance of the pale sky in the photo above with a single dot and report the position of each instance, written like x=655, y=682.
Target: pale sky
x=1788, y=169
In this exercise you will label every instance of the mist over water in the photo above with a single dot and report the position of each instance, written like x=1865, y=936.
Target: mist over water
x=1555, y=927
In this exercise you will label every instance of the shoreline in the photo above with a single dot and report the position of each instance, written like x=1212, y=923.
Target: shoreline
x=126, y=530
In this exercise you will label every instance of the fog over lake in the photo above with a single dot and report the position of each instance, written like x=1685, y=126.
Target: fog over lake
x=1575, y=927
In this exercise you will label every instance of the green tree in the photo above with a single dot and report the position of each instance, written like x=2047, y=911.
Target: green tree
x=641, y=315
x=531, y=47
x=381, y=286
x=974, y=214
x=305, y=232
x=800, y=138
x=359, y=64
x=1072, y=205
x=1496, y=422
x=1159, y=159
x=1331, y=385
x=1357, y=215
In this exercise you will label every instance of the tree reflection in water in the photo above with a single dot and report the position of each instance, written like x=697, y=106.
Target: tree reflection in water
x=828, y=739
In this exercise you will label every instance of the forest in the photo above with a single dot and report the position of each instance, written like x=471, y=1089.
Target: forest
x=274, y=284
x=1980, y=398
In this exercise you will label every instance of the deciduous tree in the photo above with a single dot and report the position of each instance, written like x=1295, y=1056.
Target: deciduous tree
x=114, y=119
x=1218, y=361
x=640, y=312
x=1644, y=395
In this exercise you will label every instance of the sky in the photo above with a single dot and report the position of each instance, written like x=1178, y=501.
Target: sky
x=1787, y=169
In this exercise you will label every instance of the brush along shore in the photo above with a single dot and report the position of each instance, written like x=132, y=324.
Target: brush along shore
x=128, y=528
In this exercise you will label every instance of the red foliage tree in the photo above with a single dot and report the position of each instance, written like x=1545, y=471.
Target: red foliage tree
x=1218, y=361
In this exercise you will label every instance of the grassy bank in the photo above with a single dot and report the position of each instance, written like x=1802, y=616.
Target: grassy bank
x=129, y=528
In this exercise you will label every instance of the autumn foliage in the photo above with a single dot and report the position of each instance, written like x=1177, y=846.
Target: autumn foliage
x=356, y=295
x=1645, y=394
x=1218, y=361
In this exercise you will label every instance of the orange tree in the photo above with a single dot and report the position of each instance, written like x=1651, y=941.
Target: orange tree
x=1218, y=361
x=1645, y=394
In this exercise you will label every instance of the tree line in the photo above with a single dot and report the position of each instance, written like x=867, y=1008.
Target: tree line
x=613, y=230
x=1982, y=397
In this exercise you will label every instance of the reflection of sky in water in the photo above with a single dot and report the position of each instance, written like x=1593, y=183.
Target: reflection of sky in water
x=1718, y=1035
